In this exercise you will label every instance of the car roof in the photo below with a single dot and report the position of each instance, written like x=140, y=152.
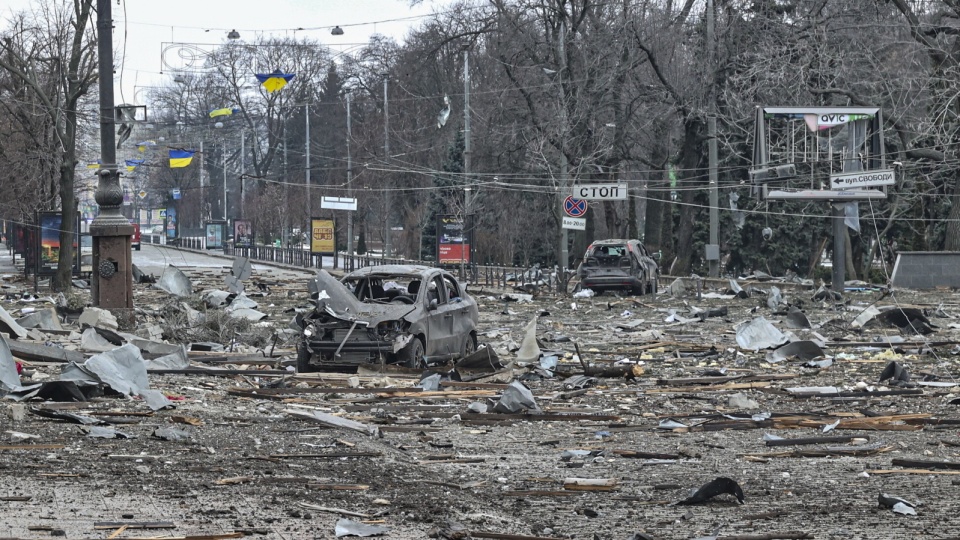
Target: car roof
x=611, y=241
x=392, y=269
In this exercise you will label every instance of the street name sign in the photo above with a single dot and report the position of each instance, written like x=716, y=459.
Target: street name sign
x=578, y=224
x=826, y=195
x=600, y=192
x=884, y=177
x=338, y=203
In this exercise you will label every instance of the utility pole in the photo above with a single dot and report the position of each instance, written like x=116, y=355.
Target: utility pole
x=243, y=178
x=112, y=286
x=224, y=179
x=203, y=191
x=286, y=192
x=386, y=157
x=467, y=195
x=307, y=168
x=349, y=182
x=564, y=261
x=712, y=249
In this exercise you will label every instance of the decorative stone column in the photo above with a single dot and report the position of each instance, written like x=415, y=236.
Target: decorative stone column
x=112, y=283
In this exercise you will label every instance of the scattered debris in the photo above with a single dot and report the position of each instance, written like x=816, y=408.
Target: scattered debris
x=898, y=505
x=347, y=527
x=718, y=486
x=896, y=374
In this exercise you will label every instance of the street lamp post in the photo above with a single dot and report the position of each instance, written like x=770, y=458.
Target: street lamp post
x=112, y=283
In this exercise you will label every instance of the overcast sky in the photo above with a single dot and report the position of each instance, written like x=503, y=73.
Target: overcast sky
x=143, y=26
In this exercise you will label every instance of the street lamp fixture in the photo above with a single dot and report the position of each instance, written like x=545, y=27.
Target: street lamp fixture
x=233, y=34
x=337, y=31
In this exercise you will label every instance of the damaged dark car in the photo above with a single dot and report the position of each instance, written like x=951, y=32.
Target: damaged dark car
x=619, y=265
x=402, y=314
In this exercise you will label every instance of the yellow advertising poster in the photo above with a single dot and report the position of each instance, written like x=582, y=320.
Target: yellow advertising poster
x=322, y=237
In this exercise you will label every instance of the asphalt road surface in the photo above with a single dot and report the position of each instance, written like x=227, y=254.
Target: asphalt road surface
x=153, y=259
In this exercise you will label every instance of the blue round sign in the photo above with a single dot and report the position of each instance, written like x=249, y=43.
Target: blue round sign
x=574, y=207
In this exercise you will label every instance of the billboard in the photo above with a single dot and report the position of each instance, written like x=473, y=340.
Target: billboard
x=215, y=233
x=453, y=242
x=323, y=236
x=49, y=243
x=242, y=233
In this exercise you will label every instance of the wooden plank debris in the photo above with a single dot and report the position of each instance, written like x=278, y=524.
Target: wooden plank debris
x=824, y=452
x=911, y=471
x=11, y=447
x=333, y=421
x=328, y=455
x=259, y=392
x=746, y=377
x=590, y=484
x=717, y=388
x=331, y=510
x=499, y=536
x=43, y=353
x=103, y=525
x=813, y=440
x=926, y=464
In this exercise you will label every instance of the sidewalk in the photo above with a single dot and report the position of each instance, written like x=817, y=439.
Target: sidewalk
x=6, y=261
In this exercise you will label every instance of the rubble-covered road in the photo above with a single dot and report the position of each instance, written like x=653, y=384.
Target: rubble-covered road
x=665, y=396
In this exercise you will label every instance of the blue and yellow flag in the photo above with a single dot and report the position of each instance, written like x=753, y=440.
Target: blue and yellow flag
x=226, y=111
x=275, y=81
x=93, y=164
x=180, y=158
x=133, y=163
x=143, y=145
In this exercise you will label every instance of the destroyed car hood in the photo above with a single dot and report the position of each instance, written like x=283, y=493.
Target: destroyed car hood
x=339, y=302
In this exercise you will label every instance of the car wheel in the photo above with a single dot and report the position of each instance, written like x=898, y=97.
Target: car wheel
x=303, y=358
x=412, y=356
x=469, y=345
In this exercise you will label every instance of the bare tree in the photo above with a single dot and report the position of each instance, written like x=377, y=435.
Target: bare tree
x=53, y=53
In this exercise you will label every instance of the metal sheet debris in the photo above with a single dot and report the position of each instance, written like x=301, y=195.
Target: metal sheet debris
x=759, y=334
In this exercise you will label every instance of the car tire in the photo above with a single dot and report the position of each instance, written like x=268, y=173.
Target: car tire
x=412, y=356
x=303, y=359
x=469, y=345
x=137, y=248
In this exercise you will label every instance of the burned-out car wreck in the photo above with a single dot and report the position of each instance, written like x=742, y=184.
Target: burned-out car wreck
x=624, y=265
x=403, y=314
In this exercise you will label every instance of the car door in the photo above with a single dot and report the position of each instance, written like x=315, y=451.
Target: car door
x=462, y=321
x=439, y=320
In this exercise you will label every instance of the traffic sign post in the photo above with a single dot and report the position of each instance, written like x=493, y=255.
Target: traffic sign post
x=574, y=208
x=577, y=224
x=601, y=192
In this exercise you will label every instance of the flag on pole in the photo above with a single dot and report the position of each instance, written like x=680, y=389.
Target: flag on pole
x=180, y=158
x=133, y=163
x=225, y=111
x=275, y=81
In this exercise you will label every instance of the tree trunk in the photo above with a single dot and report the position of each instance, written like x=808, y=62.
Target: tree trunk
x=63, y=279
x=653, y=219
x=851, y=268
x=952, y=242
x=689, y=164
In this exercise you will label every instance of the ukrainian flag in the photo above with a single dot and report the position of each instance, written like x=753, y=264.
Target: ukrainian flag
x=143, y=145
x=93, y=165
x=275, y=81
x=180, y=158
x=226, y=111
x=133, y=163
